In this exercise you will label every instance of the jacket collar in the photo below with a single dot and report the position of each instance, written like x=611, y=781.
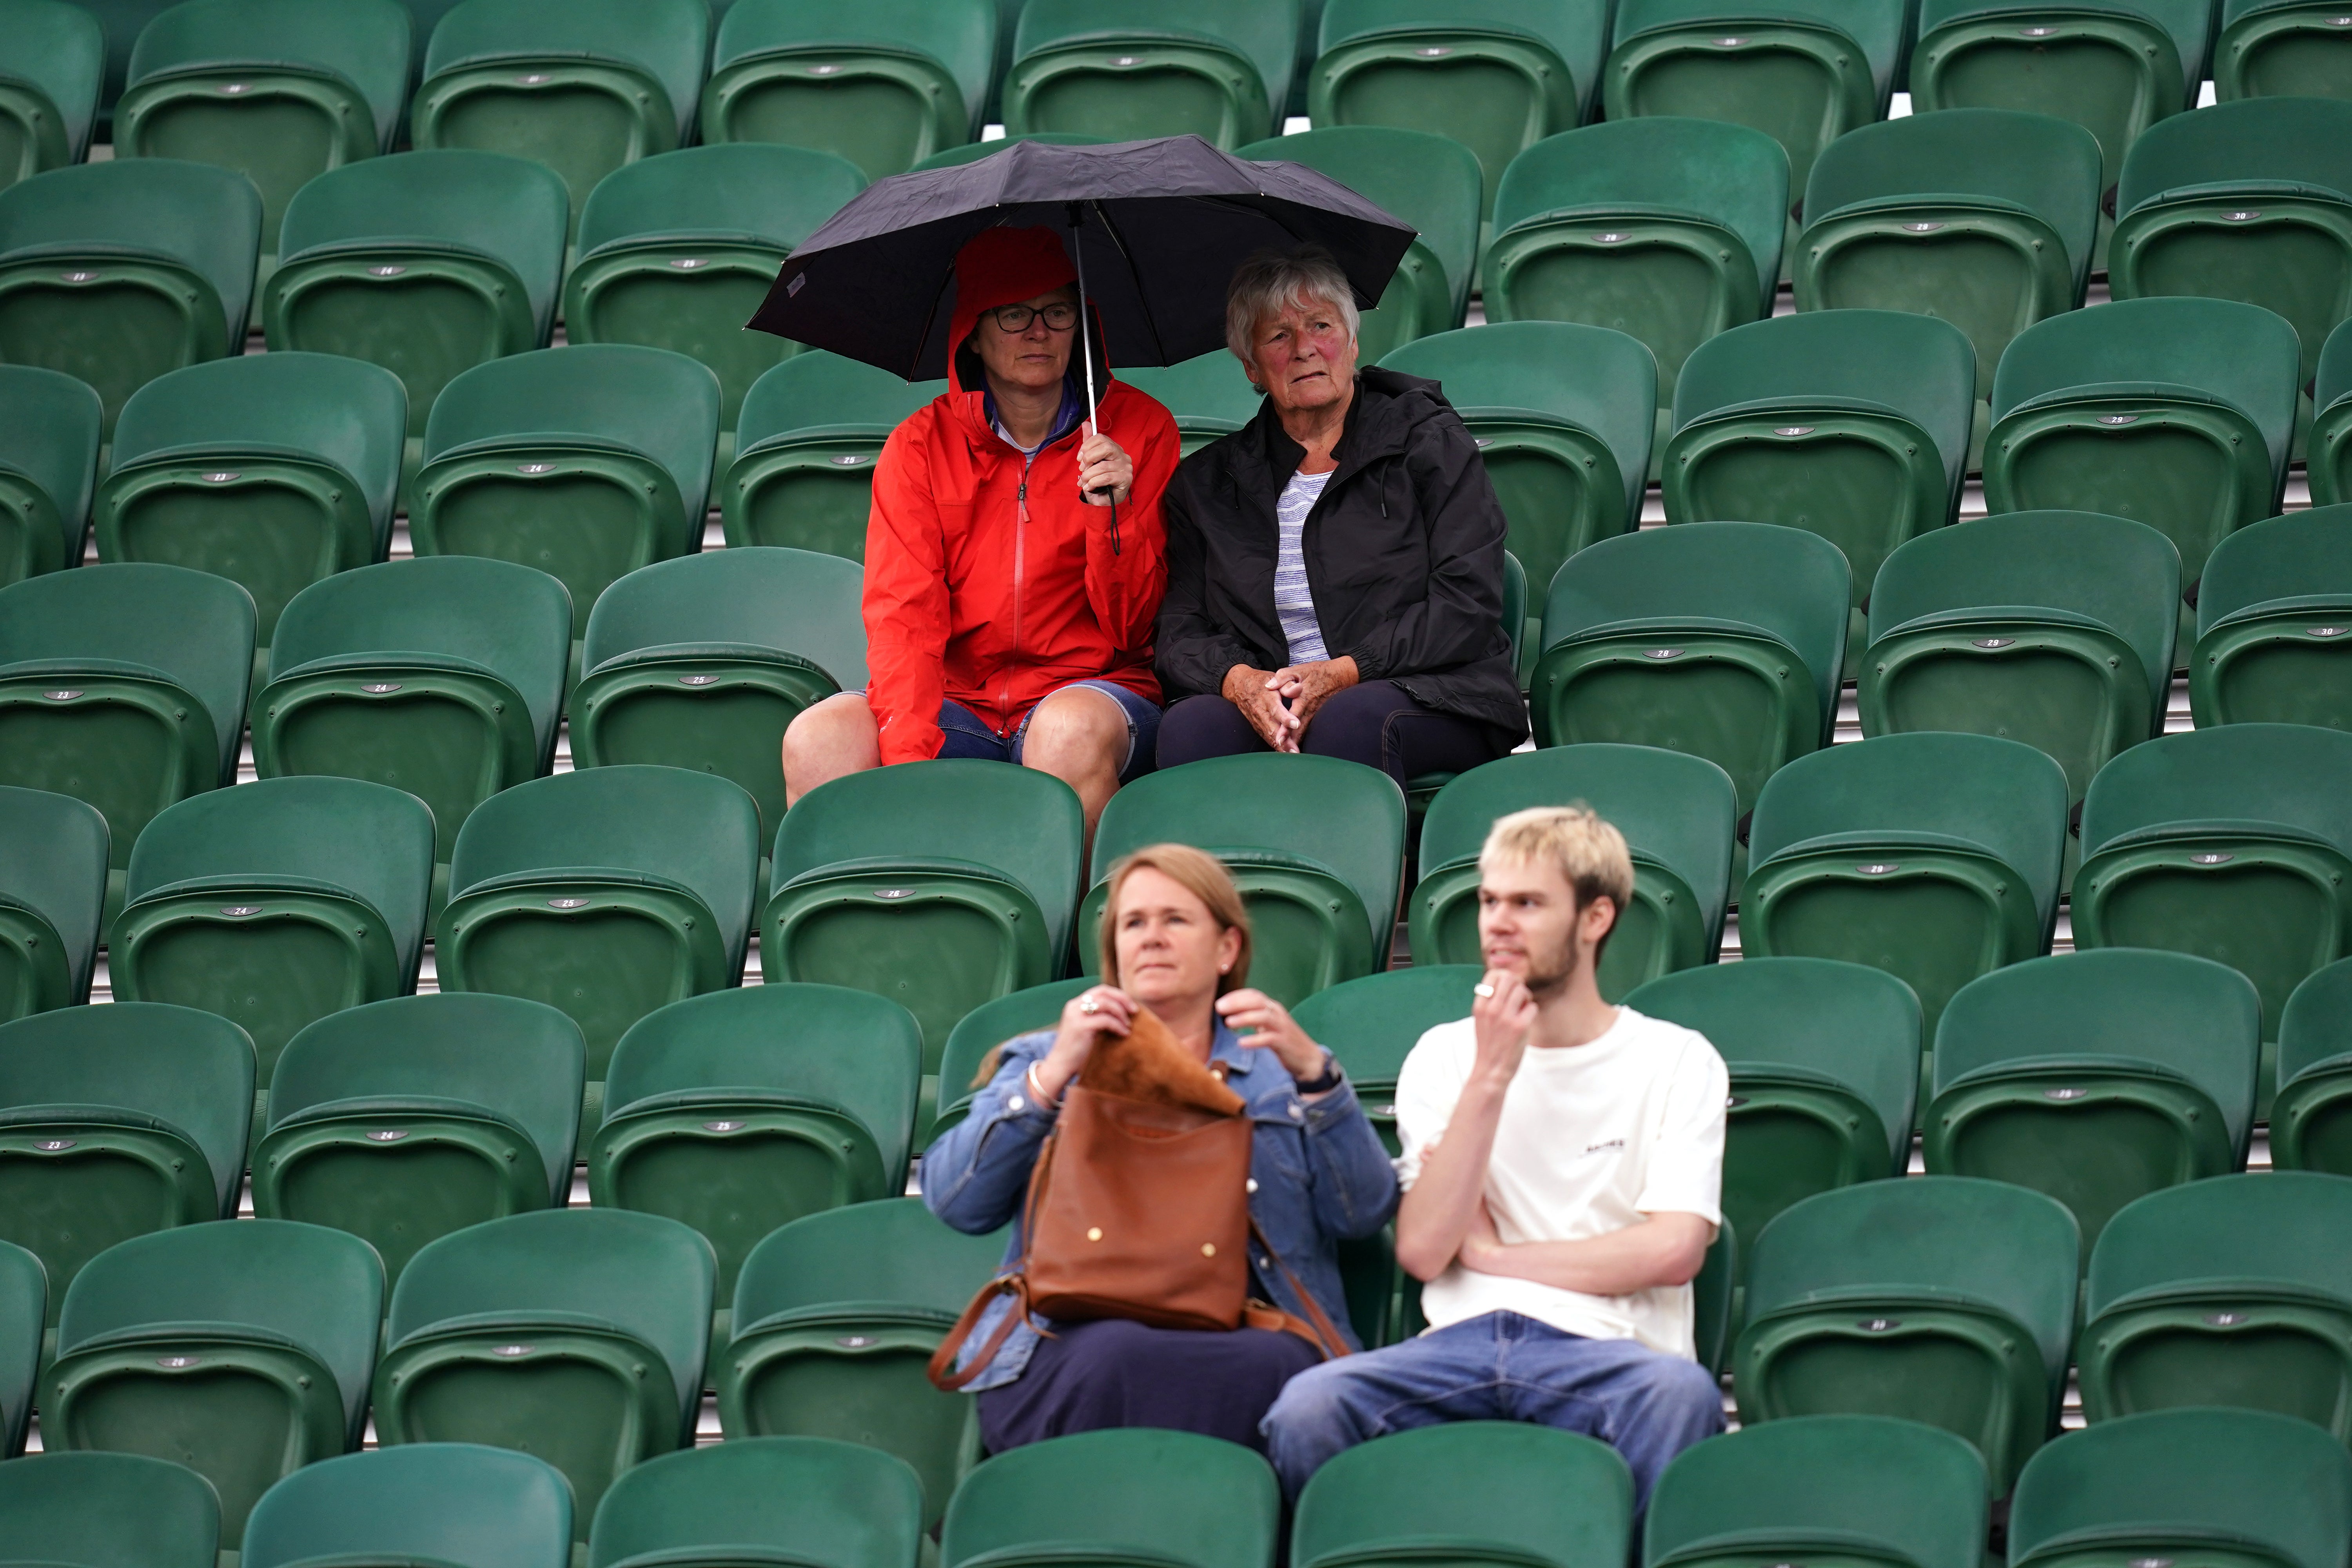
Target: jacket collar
x=1381, y=417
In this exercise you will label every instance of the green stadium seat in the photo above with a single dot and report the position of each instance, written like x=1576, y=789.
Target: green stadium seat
x=404, y=1121
x=1124, y=70
x=1430, y=183
x=123, y=686
x=120, y=20
x=1371, y=1024
x=1665, y=227
x=770, y=1500
x=52, y=891
x=442, y=675
x=50, y=430
x=2096, y=1078
x=2279, y=48
x=984, y=1028
x=885, y=86
x=426, y=263
x=1825, y=1062
x=2051, y=627
x=1315, y=843
x=276, y=903
x=582, y=86
x=456, y=1503
x=1985, y=217
x=2254, y=1486
x=49, y=86
x=607, y=893
x=1678, y=814
x=2234, y=844
x=586, y=462
x=835, y=1319
x=1934, y=857
x=2234, y=1292
x=972, y=151
x=2276, y=599
x=1468, y=1492
x=2175, y=412
x=1495, y=77
x=1851, y=424
x=116, y=1121
x=805, y=446
x=1722, y=640
x=278, y=91
x=575, y=1335
x=1563, y=417
x=2311, y=1120
x=2249, y=200
x=1937, y=1298
x=1805, y=72
x=1172, y=1498
x=281, y=1320
x=940, y=885
x=677, y=252
x=1863, y=1487
x=2328, y=458
x=24, y=1291
x=1210, y=396
x=110, y=1510
x=701, y=662
x=274, y=470
x=117, y=272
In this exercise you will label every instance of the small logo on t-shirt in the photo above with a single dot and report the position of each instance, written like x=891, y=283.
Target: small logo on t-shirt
x=1611, y=1143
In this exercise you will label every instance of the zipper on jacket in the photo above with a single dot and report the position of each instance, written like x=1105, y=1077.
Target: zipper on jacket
x=1019, y=576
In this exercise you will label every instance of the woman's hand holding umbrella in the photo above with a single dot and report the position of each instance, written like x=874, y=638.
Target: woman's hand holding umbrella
x=1105, y=474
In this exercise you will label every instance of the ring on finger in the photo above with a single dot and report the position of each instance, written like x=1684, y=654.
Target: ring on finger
x=1090, y=1005
x=1481, y=989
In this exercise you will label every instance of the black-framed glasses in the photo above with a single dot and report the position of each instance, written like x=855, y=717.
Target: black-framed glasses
x=1060, y=317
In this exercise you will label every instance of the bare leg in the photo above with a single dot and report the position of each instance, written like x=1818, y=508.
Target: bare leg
x=830, y=740
x=1080, y=736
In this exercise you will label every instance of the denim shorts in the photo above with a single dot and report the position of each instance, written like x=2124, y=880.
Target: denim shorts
x=967, y=735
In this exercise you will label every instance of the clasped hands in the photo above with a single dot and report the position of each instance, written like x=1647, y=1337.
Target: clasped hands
x=1280, y=704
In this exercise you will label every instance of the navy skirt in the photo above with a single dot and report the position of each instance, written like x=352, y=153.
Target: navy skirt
x=1114, y=1372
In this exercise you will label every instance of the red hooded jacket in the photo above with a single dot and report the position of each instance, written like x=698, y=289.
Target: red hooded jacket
x=988, y=580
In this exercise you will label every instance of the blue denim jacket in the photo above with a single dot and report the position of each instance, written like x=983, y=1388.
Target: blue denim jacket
x=1319, y=1170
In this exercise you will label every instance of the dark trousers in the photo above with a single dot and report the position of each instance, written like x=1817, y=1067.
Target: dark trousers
x=1091, y=1376
x=1373, y=723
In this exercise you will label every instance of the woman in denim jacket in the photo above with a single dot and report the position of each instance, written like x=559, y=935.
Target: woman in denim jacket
x=1177, y=938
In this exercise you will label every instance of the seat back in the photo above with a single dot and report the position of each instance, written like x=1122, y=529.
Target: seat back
x=2328, y=456
x=805, y=446
x=57, y=59
x=777, y=1499
x=24, y=1308
x=52, y=889
x=1134, y=1494
x=2311, y=1120
x=1372, y=1024
x=460, y=1503
x=1537, y=1493
x=2268, y=607
x=110, y=1510
x=1117, y=68
x=1210, y=396
x=50, y=426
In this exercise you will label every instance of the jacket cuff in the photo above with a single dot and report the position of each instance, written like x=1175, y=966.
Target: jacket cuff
x=1335, y=1106
x=1370, y=666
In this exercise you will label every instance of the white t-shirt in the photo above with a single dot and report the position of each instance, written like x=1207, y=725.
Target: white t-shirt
x=1591, y=1137
x=1294, y=602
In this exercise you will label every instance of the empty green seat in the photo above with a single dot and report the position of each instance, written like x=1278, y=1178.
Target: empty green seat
x=281, y=1320
x=442, y=675
x=1937, y=1298
x=2328, y=457
x=123, y=686
x=2096, y=1078
x=584, y=462
x=2176, y=412
x=972, y=151
x=425, y=264
x=48, y=85
x=275, y=903
x=1173, y=1498
x=2311, y=1120
x=1210, y=396
x=456, y=1503
x=1983, y=216
x=1126, y=69
x=805, y=446
x=1881, y=1490
x=1825, y=1062
x=121, y=21
x=1468, y=1492
x=1932, y=856
x=2272, y=613
x=2250, y=201
x=745, y=1110
x=1371, y=1024
x=981, y=1031
x=771, y=1500
x=2279, y=48
x=576, y=1336
x=110, y=1510
x=1666, y=228
x=1315, y=843
x=52, y=889
x=677, y=252
x=2234, y=844
x=835, y=1319
x=24, y=1291
x=402, y=1120
x=607, y=893
x=1562, y=415
x=1722, y=640
x=701, y=662
x=2051, y=627
x=50, y=430
x=279, y=90
x=274, y=470
x=883, y=87
x=2234, y=1291
x=2244, y=1484
x=117, y=272
x=582, y=86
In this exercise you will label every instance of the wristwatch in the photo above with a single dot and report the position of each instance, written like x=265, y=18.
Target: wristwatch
x=1329, y=1078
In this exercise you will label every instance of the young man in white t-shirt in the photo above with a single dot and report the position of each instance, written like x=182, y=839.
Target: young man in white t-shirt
x=1563, y=1162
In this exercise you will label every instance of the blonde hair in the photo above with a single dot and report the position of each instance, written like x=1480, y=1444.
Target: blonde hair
x=1589, y=853
x=1199, y=873
x=1274, y=281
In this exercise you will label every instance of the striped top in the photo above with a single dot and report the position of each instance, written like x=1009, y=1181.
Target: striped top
x=1293, y=601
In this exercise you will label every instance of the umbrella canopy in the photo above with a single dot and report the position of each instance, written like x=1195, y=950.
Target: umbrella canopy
x=1155, y=228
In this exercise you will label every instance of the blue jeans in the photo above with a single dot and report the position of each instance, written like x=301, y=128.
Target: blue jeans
x=967, y=735
x=1498, y=1367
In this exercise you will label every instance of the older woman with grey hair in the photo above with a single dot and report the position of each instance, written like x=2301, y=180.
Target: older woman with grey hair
x=1335, y=567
